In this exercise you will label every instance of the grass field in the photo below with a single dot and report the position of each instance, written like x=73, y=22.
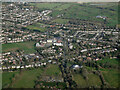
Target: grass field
x=93, y=80
x=52, y=70
x=82, y=11
x=28, y=47
x=111, y=76
x=81, y=82
x=63, y=7
x=110, y=61
x=7, y=78
x=61, y=21
x=37, y=26
x=27, y=78
x=88, y=12
x=45, y=5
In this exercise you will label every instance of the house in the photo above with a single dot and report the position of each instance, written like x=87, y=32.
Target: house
x=76, y=66
x=58, y=44
x=49, y=41
x=38, y=45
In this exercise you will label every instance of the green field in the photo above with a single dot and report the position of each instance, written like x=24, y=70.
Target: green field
x=61, y=21
x=7, y=78
x=84, y=11
x=37, y=26
x=52, y=70
x=45, y=5
x=110, y=61
x=81, y=82
x=26, y=79
x=88, y=12
x=63, y=7
x=93, y=80
x=111, y=76
x=28, y=47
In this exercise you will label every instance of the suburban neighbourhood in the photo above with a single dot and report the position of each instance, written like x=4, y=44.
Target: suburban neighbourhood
x=58, y=46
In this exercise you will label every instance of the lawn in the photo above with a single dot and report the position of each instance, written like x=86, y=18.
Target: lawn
x=28, y=47
x=27, y=78
x=111, y=76
x=7, y=78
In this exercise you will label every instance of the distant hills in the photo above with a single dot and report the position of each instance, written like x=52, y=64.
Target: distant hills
x=60, y=1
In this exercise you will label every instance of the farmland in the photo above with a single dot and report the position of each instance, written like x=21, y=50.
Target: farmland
x=87, y=12
x=45, y=5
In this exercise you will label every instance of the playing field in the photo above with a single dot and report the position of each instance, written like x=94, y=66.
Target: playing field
x=37, y=26
x=61, y=21
x=28, y=47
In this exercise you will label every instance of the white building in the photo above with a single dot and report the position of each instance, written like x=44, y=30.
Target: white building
x=37, y=45
x=58, y=44
x=49, y=41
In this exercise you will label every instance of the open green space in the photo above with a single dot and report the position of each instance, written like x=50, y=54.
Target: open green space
x=7, y=78
x=28, y=47
x=45, y=5
x=111, y=76
x=27, y=78
x=88, y=12
x=52, y=70
x=61, y=21
x=81, y=82
x=63, y=6
x=57, y=84
x=110, y=61
x=93, y=80
x=85, y=11
x=37, y=26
